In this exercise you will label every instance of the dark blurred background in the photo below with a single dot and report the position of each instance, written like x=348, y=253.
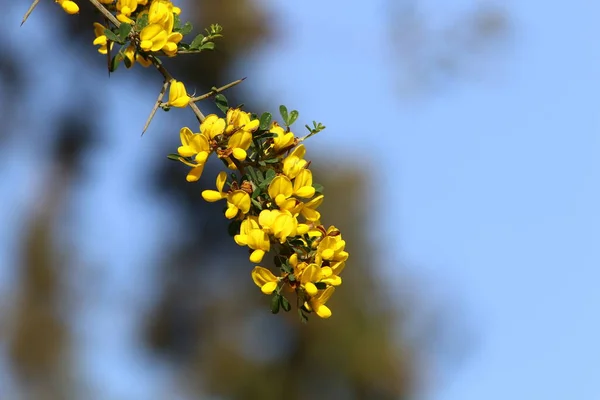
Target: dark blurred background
x=118, y=282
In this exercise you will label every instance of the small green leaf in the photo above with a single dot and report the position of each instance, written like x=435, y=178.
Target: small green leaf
x=197, y=42
x=176, y=22
x=175, y=157
x=265, y=121
x=208, y=46
x=114, y=63
x=284, y=114
x=286, y=268
x=275, y=300
x=222, y=103
x=186, y=28
x=285, y=304
x=110, y=35
x=292, y=277
x=303, y=317
x=141, y=22
x=318, y=188
x=257, y=204
x=293, y=117
x=269, y=176
x=124, y=30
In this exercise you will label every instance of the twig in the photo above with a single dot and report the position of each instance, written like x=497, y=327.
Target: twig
x=163, y=90
x=29, y=11
x=216, y=91
x=105, y=12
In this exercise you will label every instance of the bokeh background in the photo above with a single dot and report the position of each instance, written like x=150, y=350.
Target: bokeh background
x=460, y=160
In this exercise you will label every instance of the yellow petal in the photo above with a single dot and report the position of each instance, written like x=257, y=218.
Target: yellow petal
x=269, y=287
x=231, y=211
x=221, y=179
x=212, y=195
x=239, y=154
x=311, y=289
x=280, y=185
x=323, y=311
x=256, y=256
x=195, y=173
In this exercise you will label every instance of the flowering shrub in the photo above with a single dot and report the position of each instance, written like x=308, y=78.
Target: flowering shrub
x=266, y=185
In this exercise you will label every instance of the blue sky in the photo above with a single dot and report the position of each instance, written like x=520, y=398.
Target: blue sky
x=493, y=182
x=496, y=178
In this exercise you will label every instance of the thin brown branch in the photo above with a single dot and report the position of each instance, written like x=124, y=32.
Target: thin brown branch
x=29, y=11
x=163, y=90
x=217, y=90
x=100, y=7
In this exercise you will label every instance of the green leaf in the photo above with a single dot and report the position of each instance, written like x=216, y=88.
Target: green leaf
x=197, y=42
x=292, y=277
x=175, y=157
x=257, y=204
x=293, y=117
x=114, y=63
x=285, y=304
x=141, y=22
x=222, y=103
x=284, y=114
x=303, y=317
x=318, y=188
x=275, y=300
x=110, y=35
x=176, y=22
x=286, y=268
x=265, y=121
x=269, y=176
x=208, y=46
x=124, y=30
x=186, y=28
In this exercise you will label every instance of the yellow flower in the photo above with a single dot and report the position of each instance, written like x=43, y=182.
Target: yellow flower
x=194, y=145
x=153, y=37
x=281, y=190
x=264, y=279
x=126, y=8
x=178, y=97
x=237, y=200
x=254, y=237
x=240, y=120
x=239, y=143
x=170, y=48
x=161, y=13
x=101, y=39
x=133, y=56
x=295, y=162
x=69, y=6
x=309, y=209
x=282, y=139
x=331, y=248
x=317, y=303
x=212, y=126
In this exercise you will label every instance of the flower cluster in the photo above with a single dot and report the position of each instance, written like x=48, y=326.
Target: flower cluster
x=272, y=203
x=271, y=200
